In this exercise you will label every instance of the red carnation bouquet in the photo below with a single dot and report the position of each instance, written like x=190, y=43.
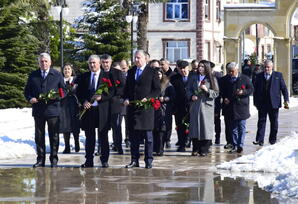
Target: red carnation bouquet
x=199, y=90
x=117, y=83
x=103, y=88
x=242, y=87
x=149, y=103
x=51, y=95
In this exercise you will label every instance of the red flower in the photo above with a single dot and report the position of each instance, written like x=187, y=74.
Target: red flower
x=242, y=87
x=109, y=83
x=156, y=104
x=71, y=84
x=152, y=100
x=117, y=82
x=203, y=82
x=61, y=93
x=187, y=131
x=105, y=80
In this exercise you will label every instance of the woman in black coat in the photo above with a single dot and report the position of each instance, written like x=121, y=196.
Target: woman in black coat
x=69, y=117
x=163, y=116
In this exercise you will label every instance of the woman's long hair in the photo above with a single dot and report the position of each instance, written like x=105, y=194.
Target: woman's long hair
x=208, y=73
x=164, y=81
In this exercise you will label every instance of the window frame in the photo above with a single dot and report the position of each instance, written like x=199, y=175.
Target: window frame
x=207, y=18
x=164, y=47
x=165, y=19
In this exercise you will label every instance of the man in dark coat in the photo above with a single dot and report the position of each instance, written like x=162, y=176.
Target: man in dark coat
x=269, y=85
x=181, y=104
x=97, y=108
x=40, y=82
x=142, y=83
x=235, y=90
x=118, y=80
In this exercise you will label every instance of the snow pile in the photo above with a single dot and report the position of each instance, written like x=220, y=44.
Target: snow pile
x=279, y=158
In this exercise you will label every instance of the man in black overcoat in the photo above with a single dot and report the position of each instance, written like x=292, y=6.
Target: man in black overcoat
x=97, y=110
x=142, y=83
x=269, y=85
x=41, y=81
x=118, y=81
x=181, y=104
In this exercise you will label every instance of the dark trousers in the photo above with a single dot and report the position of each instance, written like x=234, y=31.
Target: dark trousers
x=201, y=146
x=116, y=120
x=135, y=136
x=217, y=125
x=228, y=129
x=90, y=145
x=262, y=117
x=159, y=139
x=53, y=130
x=126, y=127
x=182, y=137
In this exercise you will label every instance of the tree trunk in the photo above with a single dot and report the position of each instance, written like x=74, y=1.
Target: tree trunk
x=142, y=27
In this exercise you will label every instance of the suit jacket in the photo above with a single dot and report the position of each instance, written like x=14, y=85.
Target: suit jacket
x=238, y=108
x=148, y=86
x=84, y=93
x=117, y=101
x=181, y=103
x=276, y=88
x=37, y=85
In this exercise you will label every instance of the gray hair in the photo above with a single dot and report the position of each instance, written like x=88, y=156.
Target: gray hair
x=268, y=62
x=232, y=65
x=94, y=57
x=141, y=52
x=44, y=55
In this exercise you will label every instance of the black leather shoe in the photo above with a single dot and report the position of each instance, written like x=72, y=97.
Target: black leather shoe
x=181, y=149
x=258, y=143
x=203, y=154
x=132, y=165
x=54, y=165
x=239, y=149
x=272, y=143
x=38, y=164
x=120, y=151
x=87, y=165
x=66, y=151
x=148, y=166
x=168, y=144
x=105, y=165
x=97, y=153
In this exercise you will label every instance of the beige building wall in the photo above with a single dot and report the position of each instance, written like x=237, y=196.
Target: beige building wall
x=277, y=18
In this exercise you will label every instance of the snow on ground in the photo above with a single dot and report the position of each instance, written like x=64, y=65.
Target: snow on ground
x=274, y=167
x=17, y=140
x=17, y=134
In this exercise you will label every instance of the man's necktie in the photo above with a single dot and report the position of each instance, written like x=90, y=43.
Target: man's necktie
x=139, y=72
x=43, y=74
x=93, y=85
x=267, y=76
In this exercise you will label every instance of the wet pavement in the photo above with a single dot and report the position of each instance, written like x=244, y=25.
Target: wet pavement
x=174, y=178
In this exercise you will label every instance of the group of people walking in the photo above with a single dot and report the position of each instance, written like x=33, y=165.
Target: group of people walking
x=147, y=96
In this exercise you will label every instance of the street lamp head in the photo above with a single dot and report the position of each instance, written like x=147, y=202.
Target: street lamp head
x=135, y=19
x=128, y=18
x=65, y=11
x=57, y=9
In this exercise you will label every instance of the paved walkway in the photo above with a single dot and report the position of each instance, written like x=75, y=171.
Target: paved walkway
x=175, y=177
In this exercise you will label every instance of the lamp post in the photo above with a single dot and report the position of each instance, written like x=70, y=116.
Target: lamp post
x=61, y=7
x=132, y=18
